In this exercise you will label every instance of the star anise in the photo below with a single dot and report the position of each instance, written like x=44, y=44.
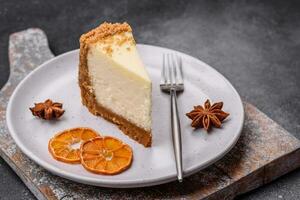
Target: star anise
x=47, y=110
x=208, y=115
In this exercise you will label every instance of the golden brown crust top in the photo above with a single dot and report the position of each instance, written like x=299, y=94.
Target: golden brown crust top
x=104, y=30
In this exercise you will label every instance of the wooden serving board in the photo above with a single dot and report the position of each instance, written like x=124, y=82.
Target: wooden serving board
x=264, y=152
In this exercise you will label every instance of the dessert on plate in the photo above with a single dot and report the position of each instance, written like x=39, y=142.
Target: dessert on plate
x=113, y=80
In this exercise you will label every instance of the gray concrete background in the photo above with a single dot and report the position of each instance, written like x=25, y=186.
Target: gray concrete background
x=255, y=44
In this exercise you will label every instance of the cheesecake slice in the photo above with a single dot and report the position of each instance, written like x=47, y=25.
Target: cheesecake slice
x=113, y=80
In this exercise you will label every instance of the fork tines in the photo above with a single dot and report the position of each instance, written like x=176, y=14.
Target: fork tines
x=172, y=75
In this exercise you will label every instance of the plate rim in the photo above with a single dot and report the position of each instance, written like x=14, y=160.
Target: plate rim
x=116, y=183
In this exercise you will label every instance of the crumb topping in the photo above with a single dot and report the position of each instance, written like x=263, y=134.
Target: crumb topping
x=110, y=36
x=105, y=30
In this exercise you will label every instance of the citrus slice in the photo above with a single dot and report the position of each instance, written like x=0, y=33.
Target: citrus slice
x=65, y=145
x=105, y=155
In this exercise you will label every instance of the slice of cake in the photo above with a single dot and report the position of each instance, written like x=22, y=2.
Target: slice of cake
x=113, y=80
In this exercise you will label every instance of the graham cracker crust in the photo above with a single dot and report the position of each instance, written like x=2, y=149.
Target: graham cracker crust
x=88, y=99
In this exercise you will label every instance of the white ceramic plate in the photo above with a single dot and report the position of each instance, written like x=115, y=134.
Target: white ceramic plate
x=57, y=80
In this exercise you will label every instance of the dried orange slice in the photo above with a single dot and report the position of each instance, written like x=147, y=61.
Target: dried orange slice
x=63, y=145
x=105, y=155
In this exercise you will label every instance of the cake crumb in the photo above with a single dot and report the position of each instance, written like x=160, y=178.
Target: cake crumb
x=108, y=50
x=105, y=30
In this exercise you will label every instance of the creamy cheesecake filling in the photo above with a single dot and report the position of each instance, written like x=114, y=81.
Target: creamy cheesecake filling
x=118, y=80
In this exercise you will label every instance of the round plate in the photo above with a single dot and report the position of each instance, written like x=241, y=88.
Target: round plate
x=57, y=80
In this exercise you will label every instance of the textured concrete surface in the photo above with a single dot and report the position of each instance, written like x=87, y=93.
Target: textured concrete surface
x=254, y=44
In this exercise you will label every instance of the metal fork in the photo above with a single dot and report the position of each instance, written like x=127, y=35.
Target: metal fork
x=172, y=83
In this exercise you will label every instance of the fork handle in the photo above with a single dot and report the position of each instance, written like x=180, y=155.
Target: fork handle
x=176, y=134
